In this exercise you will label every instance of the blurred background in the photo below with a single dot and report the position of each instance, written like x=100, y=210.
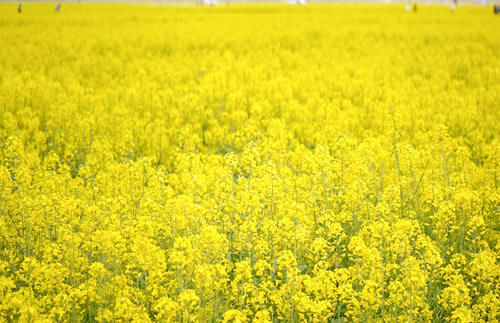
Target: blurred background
x=292, y=2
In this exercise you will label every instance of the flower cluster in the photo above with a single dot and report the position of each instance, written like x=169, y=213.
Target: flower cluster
x=250, y=163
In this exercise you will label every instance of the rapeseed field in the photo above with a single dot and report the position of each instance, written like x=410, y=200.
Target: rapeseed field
x=249, y=163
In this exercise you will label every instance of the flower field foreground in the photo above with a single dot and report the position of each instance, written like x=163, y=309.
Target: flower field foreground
x=250, y=163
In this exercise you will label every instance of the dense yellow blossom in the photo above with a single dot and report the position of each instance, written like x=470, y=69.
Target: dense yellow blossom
x=249, y=163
